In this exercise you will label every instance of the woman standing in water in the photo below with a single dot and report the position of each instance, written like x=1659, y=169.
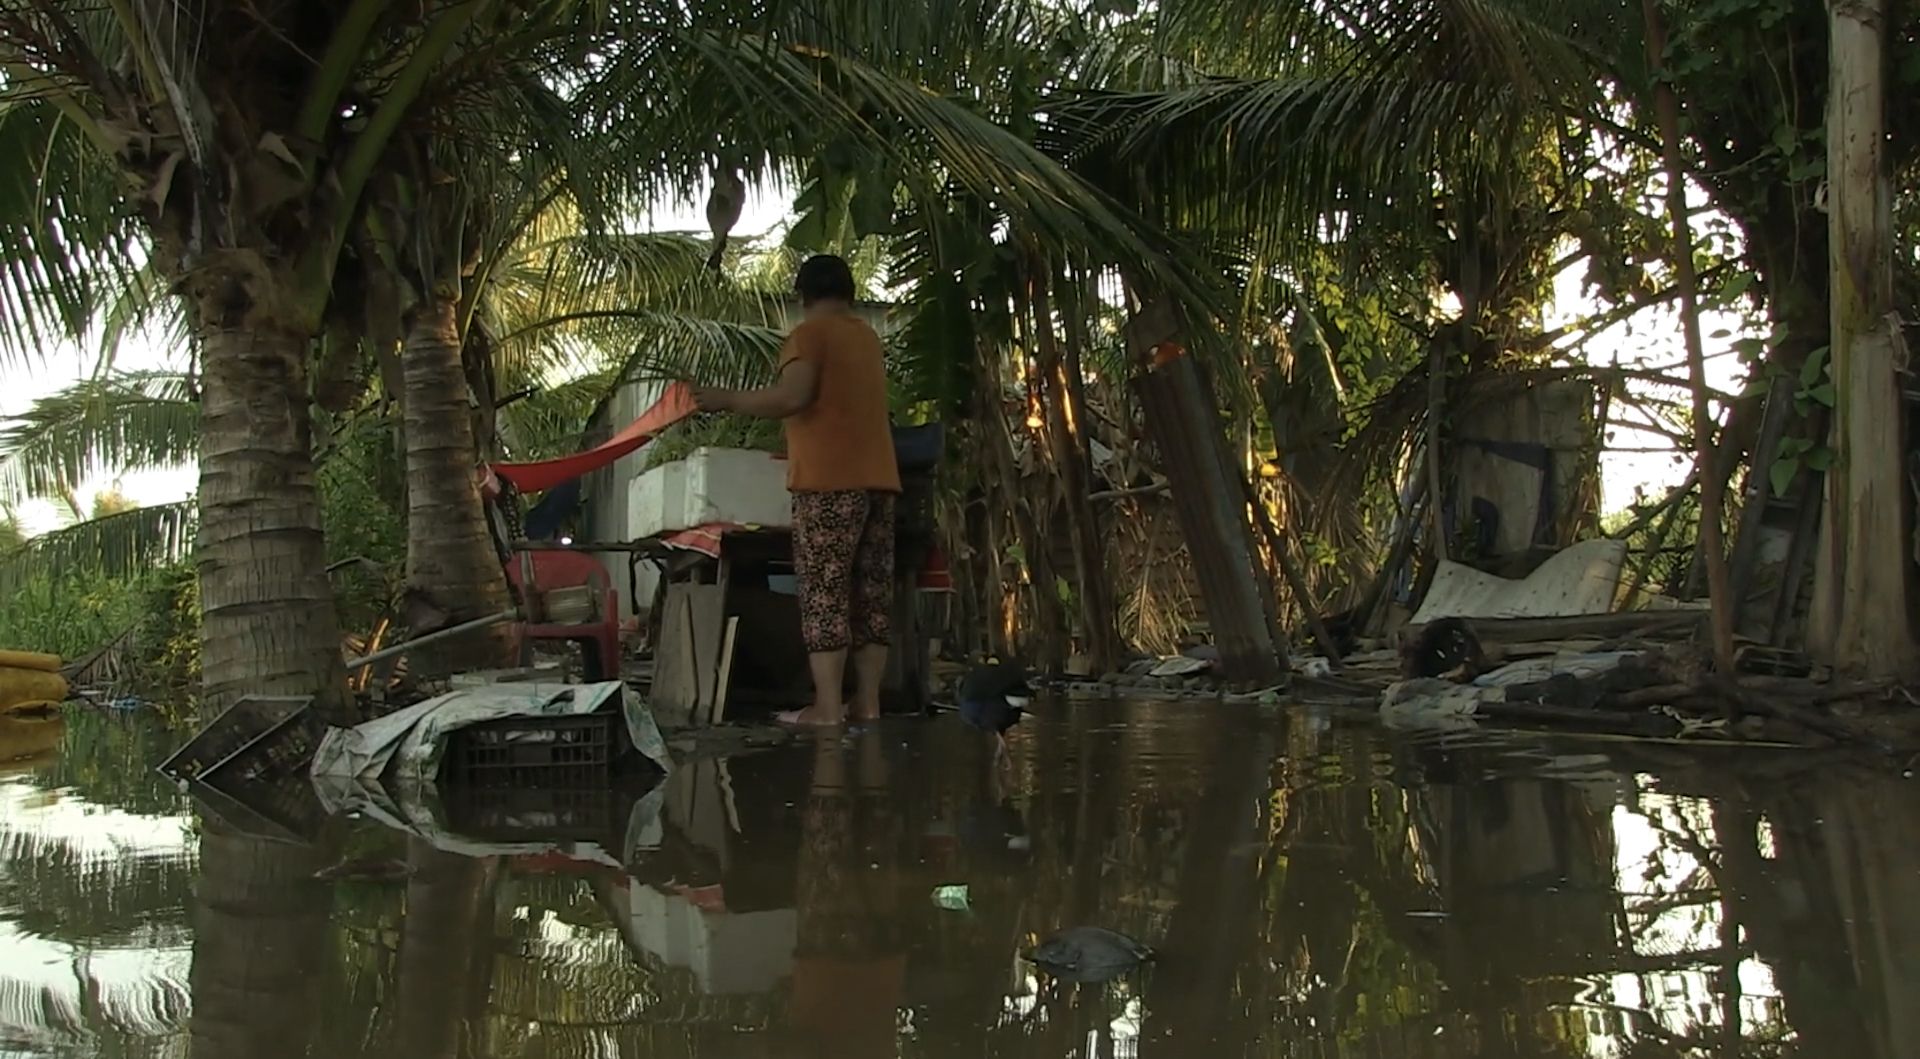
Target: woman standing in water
x=831, y=399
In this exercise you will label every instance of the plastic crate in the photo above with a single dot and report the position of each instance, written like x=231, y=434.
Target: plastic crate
x=543, y=814
x=258, y=737
x=533, y=752
x=283, y=808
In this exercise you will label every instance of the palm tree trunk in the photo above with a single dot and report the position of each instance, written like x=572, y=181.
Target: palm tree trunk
x=1208, y=935
x=451, y=560
x=268, y=625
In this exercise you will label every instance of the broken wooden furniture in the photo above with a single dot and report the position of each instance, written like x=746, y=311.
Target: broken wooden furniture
x=727, y=633
x=567, y=597
x=726, y=628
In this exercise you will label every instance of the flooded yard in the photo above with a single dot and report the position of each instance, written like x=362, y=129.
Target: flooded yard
x=1310, y=886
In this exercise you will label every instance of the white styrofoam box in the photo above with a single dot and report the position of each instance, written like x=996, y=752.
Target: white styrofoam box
x=710, y=485
x=730, y=953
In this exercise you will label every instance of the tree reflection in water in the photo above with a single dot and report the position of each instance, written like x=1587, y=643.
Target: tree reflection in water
x=1313, y=892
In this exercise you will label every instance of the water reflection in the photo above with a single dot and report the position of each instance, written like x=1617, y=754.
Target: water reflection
x=1313, y=890
x=849, y=956
x=97, y=864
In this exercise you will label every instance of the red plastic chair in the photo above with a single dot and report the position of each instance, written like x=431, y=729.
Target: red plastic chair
x=599, y=637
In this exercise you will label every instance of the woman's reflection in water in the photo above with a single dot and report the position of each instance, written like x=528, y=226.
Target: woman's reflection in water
x=849, y=968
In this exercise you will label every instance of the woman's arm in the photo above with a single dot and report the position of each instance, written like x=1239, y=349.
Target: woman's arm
x=790, y=395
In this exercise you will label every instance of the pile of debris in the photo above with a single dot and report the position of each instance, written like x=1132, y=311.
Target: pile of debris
x=1548, y=650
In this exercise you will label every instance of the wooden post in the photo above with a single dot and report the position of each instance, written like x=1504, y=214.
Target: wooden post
x=1713, y=484
x=905, y=688
x=717, y=709
x=1864, y=569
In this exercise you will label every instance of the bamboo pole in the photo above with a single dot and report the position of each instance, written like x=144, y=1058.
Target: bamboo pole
x=433, y=637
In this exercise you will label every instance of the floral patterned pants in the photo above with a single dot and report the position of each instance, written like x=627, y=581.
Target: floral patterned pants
x=843, y=556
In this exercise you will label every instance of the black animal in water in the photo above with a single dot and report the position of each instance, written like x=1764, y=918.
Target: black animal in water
x=1446, y=648
x=993, y=697
x=1088, y=954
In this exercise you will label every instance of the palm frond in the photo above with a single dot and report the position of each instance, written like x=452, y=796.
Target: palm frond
x=553, y=421
x=69, y=250
x=660, y=346
x=1292, y=155
x=127, y=421
x=1544, y=48
x=716, y=352
x=807, y=97
x=1320, y=120
x=578, y=302
x=120, y=545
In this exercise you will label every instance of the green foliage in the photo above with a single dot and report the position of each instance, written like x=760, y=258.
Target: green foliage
x=361, y=480
x=722, y=430
x=170, y=635
x=69, y=614
x=123, y=544
x=362, y=493
x=69, y=253
x=1660, y=536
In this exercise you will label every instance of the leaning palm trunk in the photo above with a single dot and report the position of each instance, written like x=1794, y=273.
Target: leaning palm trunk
x=268, y=625
x=451, y=560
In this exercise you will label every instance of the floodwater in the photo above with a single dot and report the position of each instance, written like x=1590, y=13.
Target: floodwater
x=1313, y=887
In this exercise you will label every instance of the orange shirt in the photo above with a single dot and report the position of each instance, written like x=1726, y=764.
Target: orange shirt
x=843, y=440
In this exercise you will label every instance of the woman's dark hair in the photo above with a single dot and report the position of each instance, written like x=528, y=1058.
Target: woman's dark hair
x=824, y=276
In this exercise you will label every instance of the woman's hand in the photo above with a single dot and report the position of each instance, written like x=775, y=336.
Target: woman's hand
x=713, y=399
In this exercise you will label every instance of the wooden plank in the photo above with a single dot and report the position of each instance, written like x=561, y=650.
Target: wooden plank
x=1659, y=624
x=717, y=709
x=681, y=674
x=667, y=693
x=706, y=627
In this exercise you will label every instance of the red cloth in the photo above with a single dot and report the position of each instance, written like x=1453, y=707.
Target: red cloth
x=673, y=406
x=703, y=539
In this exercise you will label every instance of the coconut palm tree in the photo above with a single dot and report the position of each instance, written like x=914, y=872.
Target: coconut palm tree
x=249, y=167
x=575, y=313
x=246, y=161
x=1329, y=109
x=1349, y=171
